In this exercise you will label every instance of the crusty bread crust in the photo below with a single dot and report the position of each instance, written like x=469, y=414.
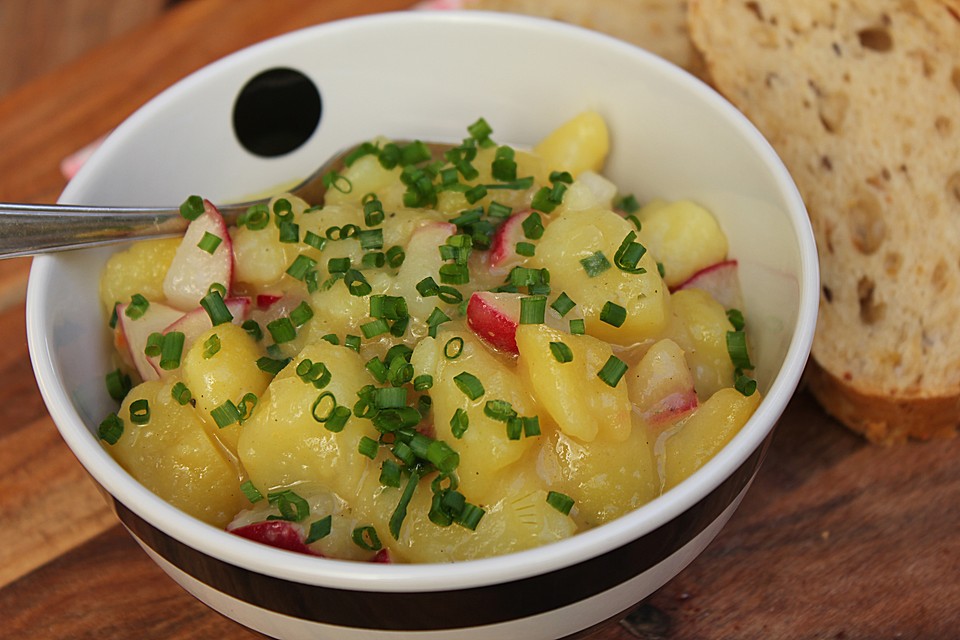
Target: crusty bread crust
x=659, y=26
x=861, y=99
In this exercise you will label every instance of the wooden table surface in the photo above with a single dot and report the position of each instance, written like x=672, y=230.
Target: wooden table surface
x=836, y=539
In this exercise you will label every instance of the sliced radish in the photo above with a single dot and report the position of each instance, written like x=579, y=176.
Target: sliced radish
x=661, y=385
x=720, y=280
x=194, y=269
x=503, y=247
x=493, y=317
x=134, y=333
x=267, y=300
x=195, y=322
x=382, y=557
x=276, y=533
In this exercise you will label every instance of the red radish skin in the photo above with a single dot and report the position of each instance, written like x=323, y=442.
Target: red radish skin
x=134, y=334
x=720, y=280
x=276, y=533
x=671, y=408
x=195, y=322
x=267, y=300
x=193, y=269
x=493, y=317
x=503, y=247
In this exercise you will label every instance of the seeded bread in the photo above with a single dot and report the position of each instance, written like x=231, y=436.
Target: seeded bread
x=659, y=26
x=861, y=98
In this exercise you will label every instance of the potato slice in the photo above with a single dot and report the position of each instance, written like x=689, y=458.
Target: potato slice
x=683, y=236
x=174, y=456
x=580, y=403
x=705, y=432
x=584, y=236
x=579, y=144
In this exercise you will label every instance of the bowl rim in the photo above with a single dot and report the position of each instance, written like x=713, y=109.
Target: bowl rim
x=432, y=577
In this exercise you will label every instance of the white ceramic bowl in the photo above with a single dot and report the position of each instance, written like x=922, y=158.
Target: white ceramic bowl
x=427, y=75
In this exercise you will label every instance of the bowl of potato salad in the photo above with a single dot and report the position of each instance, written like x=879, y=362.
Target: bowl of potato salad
x=510, y=373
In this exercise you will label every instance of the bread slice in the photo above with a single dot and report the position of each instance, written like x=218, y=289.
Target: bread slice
x=861, y=98
x=659, y=26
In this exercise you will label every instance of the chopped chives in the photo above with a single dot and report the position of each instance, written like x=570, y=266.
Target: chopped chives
x=612, y=371
x=428, y=287
x=514, y=428
x=525, y=249
x=453, y=348
x=352, y=342
x=400, y=511
x=247, y=404
x=356, y=283
x=373, y=259
x=454, y=274
x=211, y=346
x=563, y=304
x=291, y=505
x=395, y=257
x=476, y=193
x=140, y=411
x=629, y=253
x=374, y=328
x=256, y=217
x=745, y=385
x=737, y=348
x=390, y=474
x=531, y=426
x=216, y=308
x=459, y=423
x=422, y=382
x=578, y=327
x=301, y=266
x=629, y=204
x=613, y=314
x=533, y=226
x=595, y=264
x=373, y=212
x=735, y=316
x=560, y=501
x=118, y=384
x=301, y=314
x=376, y=369
x=497, y=210
x=500, y=410
x=319, y=529
x=137, y=307
x=181, y=393
x=533, y=309
x=338, y=265
x=192, y=208
x=368, y=447
x=251, y=492
x=282, y=330
x=154, y=342
x=366, y=538
x=171, y=350
x=442, y=456
x=390, y=397
x=110, y=429
x=314, y=240
x=449, y=295
x=209, y=242
x=469, y=384
x=470, y=516
x=226, y=414
x=271, y=365
x=252, y=327
x=561, y=352
x=371, y=239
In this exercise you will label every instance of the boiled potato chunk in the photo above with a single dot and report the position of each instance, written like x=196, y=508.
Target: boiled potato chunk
x=283, y=445
x=521, y=520
x=699, y=326
x=577, y=236
x=579, y=144
x=139, y=269
x=704, y=433
x=174, y=456
x=484, y=447
x=367, y=175
x=581, y=404
x=228, y=374
x=606, y=478
x=683, y=236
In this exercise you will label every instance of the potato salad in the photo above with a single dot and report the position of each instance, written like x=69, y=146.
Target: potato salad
x=459, y=353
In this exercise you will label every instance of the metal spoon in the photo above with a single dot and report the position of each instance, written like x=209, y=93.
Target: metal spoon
x=28, y=229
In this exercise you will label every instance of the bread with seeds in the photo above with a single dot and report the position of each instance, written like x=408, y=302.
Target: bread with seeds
x=861, y=98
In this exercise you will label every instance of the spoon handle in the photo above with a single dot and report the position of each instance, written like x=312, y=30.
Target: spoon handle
x=27, y=229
